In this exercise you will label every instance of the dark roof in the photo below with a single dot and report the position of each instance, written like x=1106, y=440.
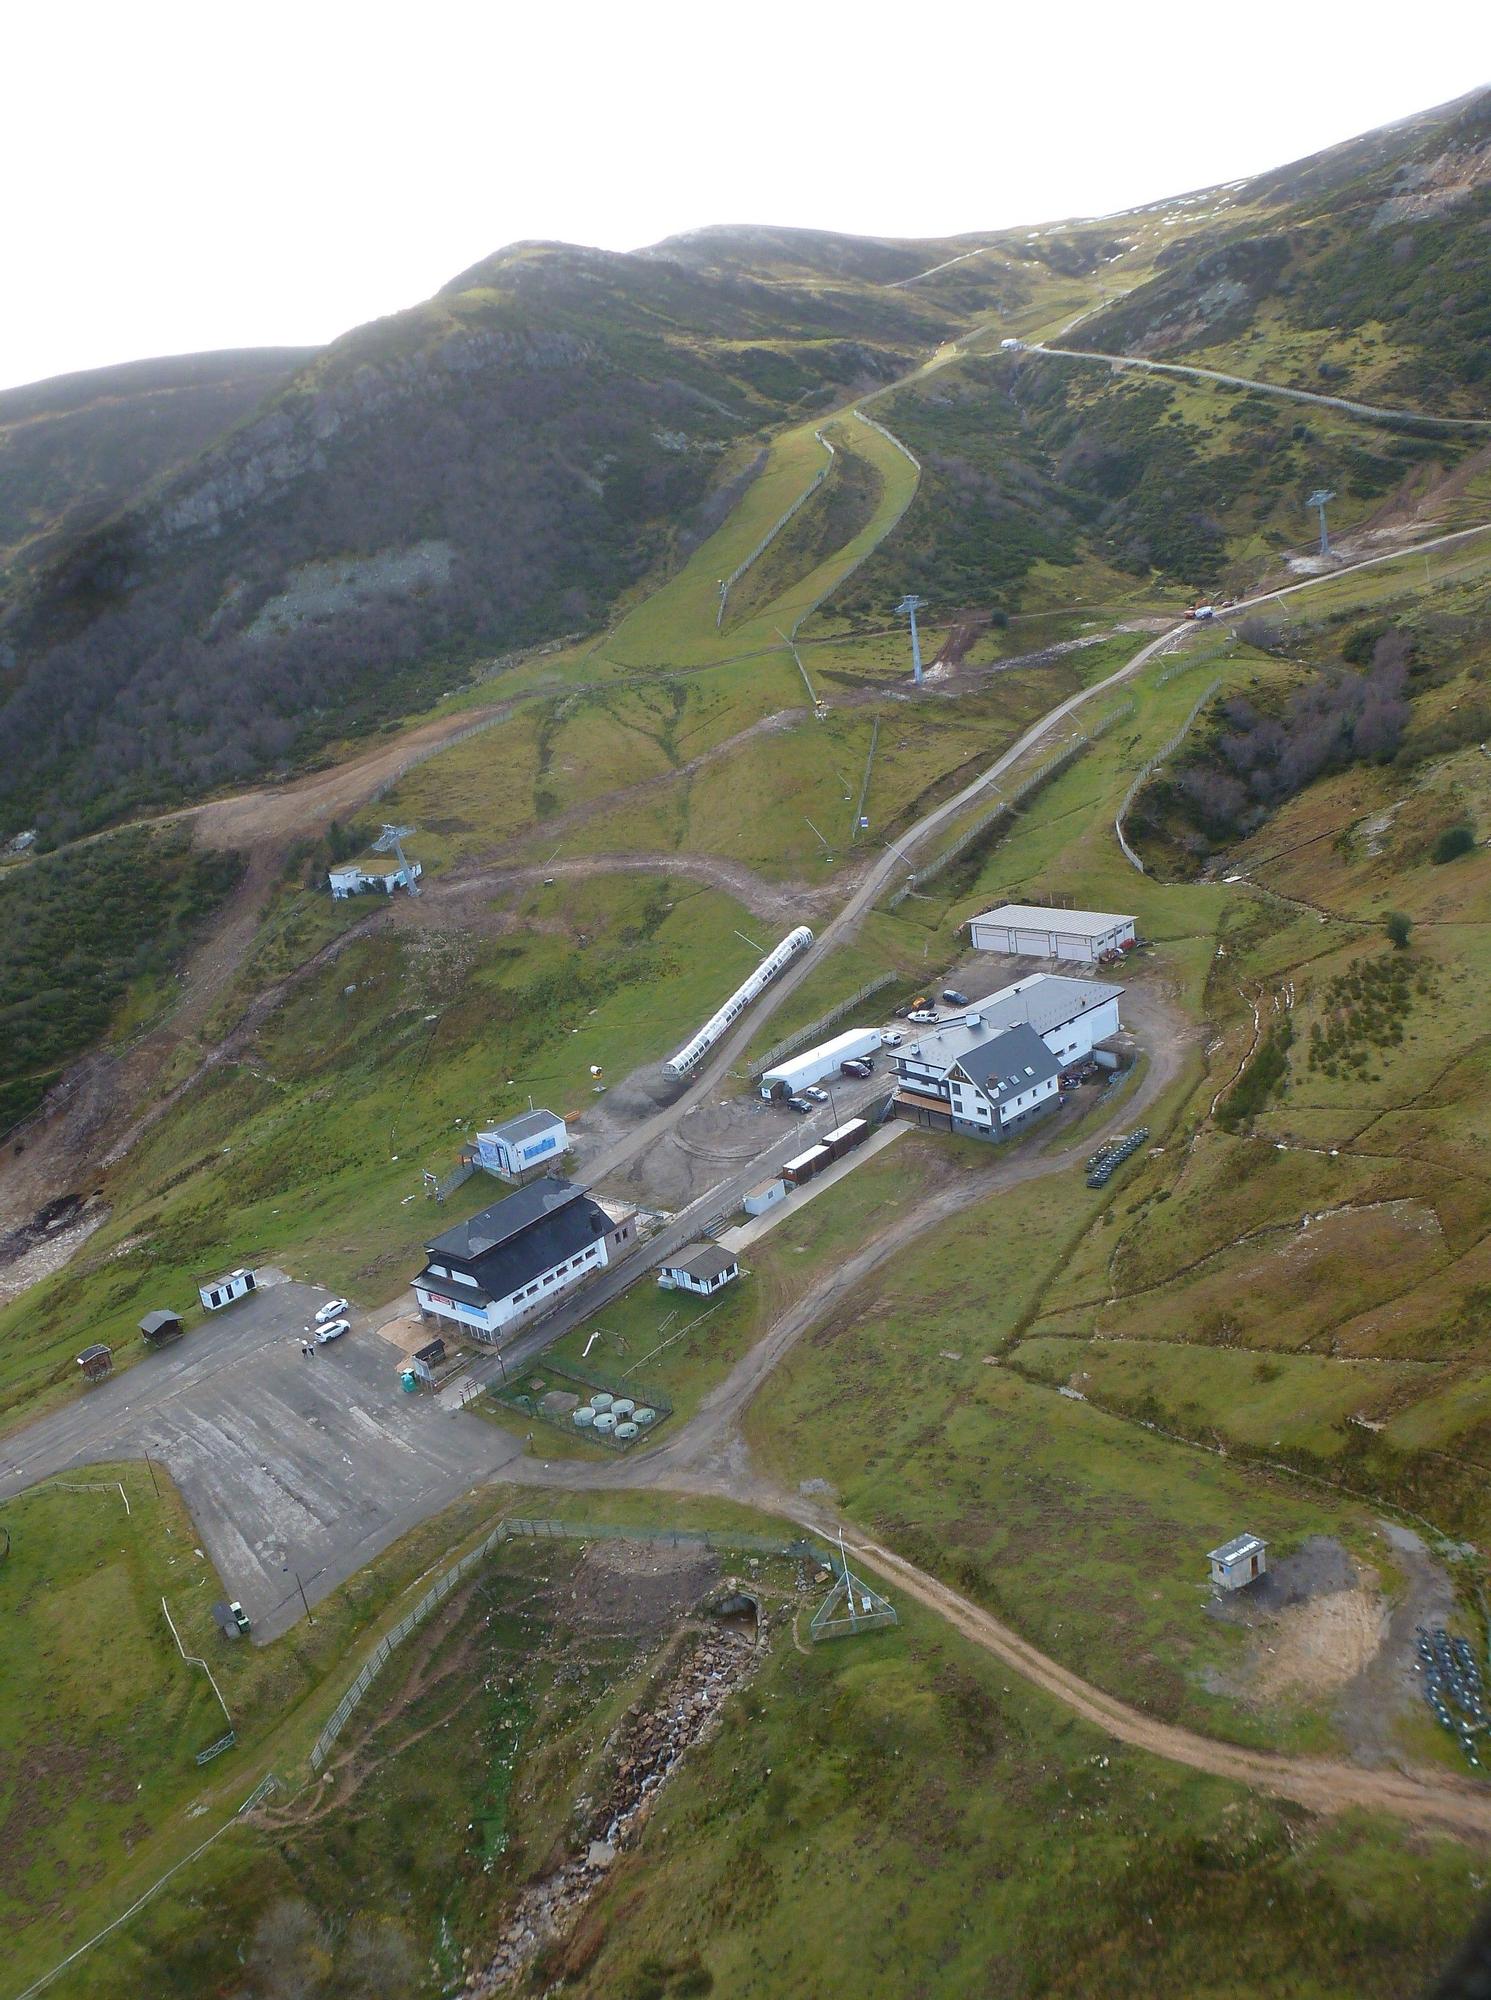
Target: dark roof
x=1010, y=1063
x=433, y=1350
x=505, y=1219
x=97, y=1352
x=522, y=1254
x=702, y=1261
x=153, y=1322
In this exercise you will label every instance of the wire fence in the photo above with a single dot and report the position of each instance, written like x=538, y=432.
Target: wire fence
x=536, y=1530
x=774, y=530
x=836, y=1013
x=1149, y=769
x=1006, y=806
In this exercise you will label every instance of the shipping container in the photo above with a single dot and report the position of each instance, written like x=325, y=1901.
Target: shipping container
x=847, y=1137
x=801, y=1170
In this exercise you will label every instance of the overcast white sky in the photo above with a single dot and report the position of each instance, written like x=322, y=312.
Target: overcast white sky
x=180, y=175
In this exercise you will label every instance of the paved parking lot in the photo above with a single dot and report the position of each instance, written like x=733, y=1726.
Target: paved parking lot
x=289, y=1465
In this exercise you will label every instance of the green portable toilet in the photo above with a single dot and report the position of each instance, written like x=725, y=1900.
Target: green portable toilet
x=409, y=1381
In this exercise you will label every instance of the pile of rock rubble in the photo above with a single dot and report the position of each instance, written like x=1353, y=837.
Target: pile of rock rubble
x=645, y=1748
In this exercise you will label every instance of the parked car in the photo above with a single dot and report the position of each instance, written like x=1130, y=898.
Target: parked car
x=954, y=998
x=799, y=1104
x=333, y=1309
x=891, y=1038
x=856, y=1066
x=922, y=1014
x=818, y=1096
x=333, y=1330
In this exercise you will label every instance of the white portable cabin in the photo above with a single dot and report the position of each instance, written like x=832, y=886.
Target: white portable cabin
x=1027, y=930
x=764, y=1197
x=1239, y=1562
x=220, y=1292
x=797, y=1072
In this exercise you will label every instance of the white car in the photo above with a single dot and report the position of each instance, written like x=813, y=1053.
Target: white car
x=922, y=1015
x=333, y=1330
x=333, y=1309
x=818, y=1096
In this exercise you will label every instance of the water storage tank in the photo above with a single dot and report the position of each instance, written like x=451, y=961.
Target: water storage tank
x=582, y=1418
x=644, y=1416
x=626, y=1432
x=601, y=1400
x=622, y=1407
x=604, y=1421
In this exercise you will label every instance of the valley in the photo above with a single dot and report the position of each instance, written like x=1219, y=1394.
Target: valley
x=1024, y=1403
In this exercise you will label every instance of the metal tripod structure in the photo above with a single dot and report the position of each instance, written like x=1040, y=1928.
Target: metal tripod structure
x=391, y=840
x=851, y=1606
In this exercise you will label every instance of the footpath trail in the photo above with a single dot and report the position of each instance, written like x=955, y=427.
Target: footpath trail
x=1375, y=412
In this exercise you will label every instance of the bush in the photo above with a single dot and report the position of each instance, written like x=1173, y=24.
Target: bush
x=1398, y=926
x=1452, y=843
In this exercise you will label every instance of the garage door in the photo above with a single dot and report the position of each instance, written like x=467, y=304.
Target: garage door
x=1068, y=946
x=1033, y=944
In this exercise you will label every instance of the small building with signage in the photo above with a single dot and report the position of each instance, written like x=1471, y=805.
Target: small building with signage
x=1239, y=1562
x=220, y=1292
x=513, y=1149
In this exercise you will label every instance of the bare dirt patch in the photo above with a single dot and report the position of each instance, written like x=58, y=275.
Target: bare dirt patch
x=640, y=1586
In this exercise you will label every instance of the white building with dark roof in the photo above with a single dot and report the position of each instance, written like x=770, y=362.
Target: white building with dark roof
x=699, y=1267
x=998, y=1063
x=509, y=1262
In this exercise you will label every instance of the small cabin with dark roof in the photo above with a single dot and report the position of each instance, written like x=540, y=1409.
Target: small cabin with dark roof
x=161, y=1328
x=96, y=1362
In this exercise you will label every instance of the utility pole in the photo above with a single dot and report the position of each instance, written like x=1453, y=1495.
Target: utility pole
x=908, y=608
x=1318, y=500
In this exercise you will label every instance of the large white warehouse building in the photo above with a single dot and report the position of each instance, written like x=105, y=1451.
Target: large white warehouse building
x=1026, y=930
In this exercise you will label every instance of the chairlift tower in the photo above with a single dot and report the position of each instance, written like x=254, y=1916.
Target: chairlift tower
x=1318, y=500
x=908, y=608
x=391, y=841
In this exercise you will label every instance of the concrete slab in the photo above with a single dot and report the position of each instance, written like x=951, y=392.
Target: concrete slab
x=745, y=1233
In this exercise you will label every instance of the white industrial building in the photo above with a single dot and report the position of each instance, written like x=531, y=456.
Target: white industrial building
x=511, y=1261
x=701, y=1267
x=513, y=1148
x=992, y=1068
x=798, y=1071
x=353, y=877
x=1026, y=930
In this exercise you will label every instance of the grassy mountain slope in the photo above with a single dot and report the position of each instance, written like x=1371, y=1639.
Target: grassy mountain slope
x=1359, y=273
x=74, y=449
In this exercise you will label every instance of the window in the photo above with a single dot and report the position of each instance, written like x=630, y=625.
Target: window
x=438, y=1271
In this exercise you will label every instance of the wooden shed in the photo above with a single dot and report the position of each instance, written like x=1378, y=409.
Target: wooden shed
x=161, y=1328
x=96, y=1362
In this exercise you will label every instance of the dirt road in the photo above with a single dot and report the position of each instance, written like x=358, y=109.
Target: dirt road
x=1428, y=1798
x=1376, y=412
